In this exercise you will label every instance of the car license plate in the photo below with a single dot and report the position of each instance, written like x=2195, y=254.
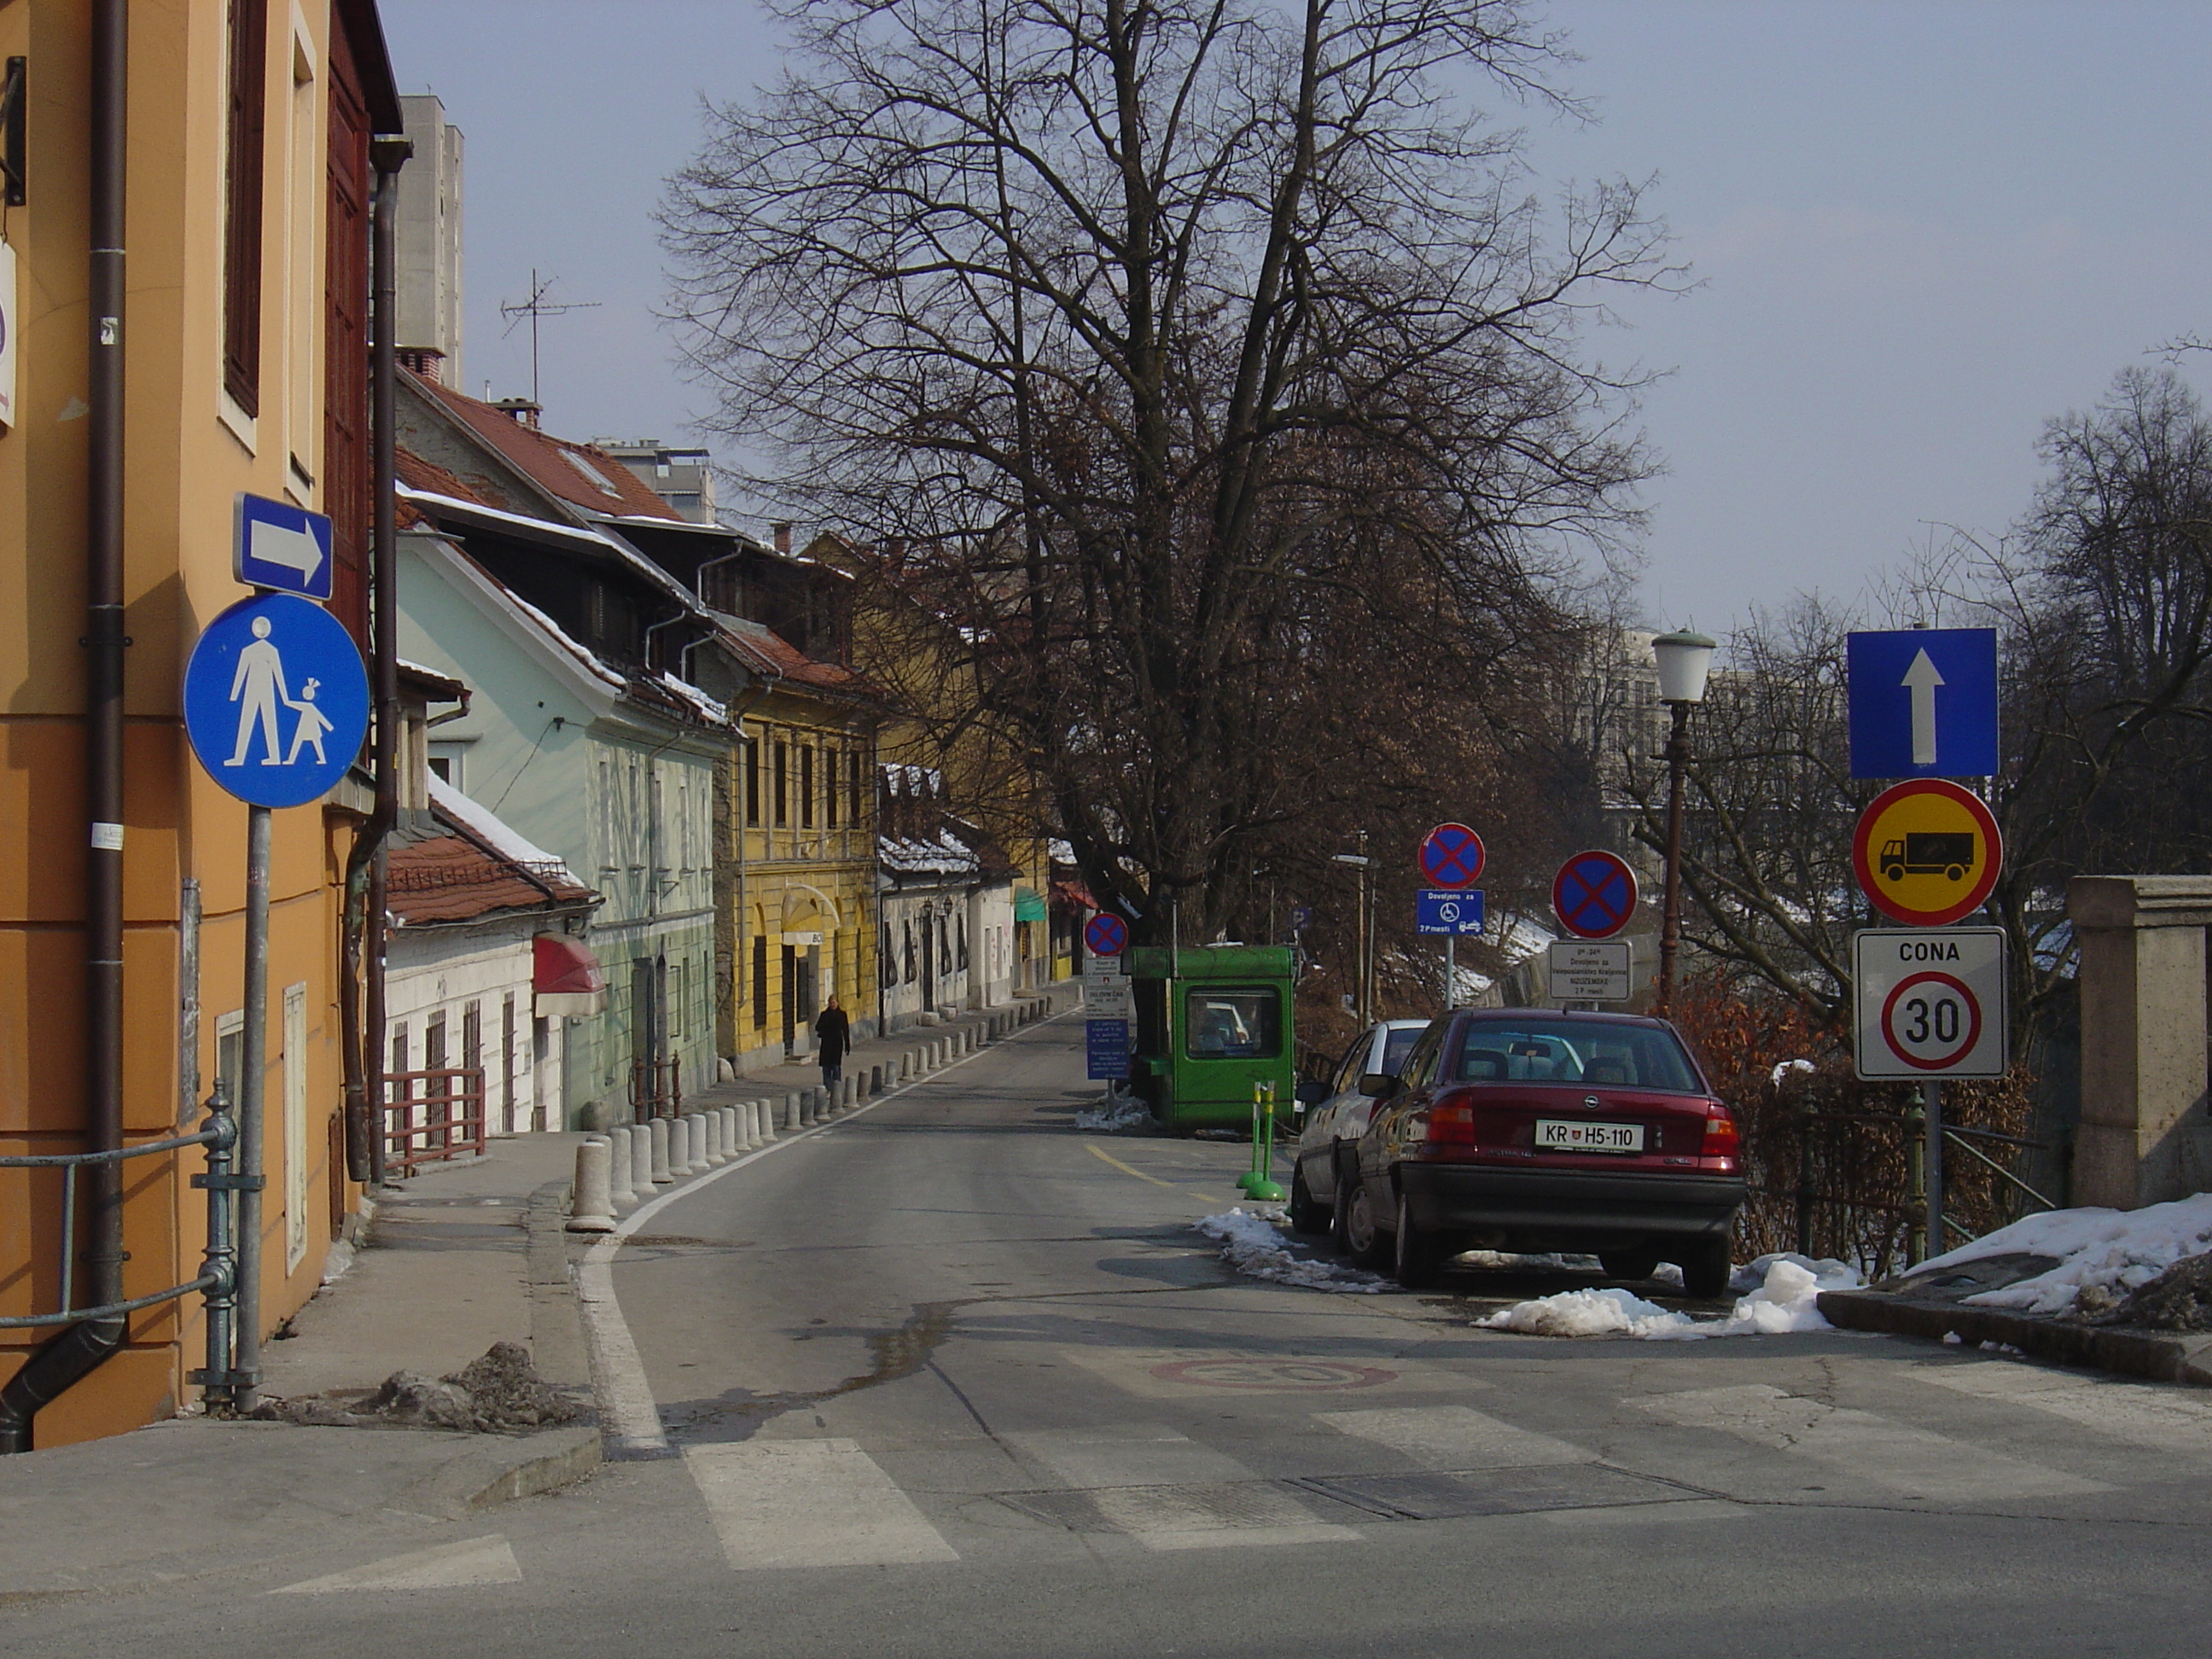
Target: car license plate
x=1559, y=1135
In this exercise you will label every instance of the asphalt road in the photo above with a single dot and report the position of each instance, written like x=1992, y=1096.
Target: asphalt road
x=955, y=1378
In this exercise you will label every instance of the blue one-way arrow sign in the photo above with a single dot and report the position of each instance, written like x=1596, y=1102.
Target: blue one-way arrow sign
x=1923, y=702
x=281, y=546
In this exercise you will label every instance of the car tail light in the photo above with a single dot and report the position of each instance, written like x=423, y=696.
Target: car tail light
x=1722, y=1139
x=1449, y=1123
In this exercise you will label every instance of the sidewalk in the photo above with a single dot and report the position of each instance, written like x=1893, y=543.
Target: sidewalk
x=457, y=1258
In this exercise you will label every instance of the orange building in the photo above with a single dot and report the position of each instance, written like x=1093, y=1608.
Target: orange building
x=186, y=281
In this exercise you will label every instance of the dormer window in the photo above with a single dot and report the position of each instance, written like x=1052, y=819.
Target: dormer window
x=591, y=474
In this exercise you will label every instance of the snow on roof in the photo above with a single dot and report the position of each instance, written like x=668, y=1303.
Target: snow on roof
x=1060, y=852
x=943, y=855
x=707, y=706
x=636, y=560
x=487, y=827
x=582, y=653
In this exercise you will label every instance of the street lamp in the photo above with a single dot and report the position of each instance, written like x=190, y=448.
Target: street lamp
x=1684, y=660
x=1363, y=949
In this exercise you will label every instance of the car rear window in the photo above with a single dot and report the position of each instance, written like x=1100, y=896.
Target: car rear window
x=1566, y=1051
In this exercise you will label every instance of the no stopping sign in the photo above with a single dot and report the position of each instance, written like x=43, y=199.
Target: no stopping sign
x=1929, y=1002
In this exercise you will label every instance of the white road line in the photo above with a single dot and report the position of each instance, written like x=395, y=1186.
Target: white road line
x=629, y=1419
x=2137, y=1412
x=1455, y=1438
x=1856, y=1443
x=447, y=1566
x=780, y=1504
x=1168, y=1492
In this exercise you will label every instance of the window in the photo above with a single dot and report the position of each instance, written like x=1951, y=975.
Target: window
x=961, y=924
x=853, y=790
x=829, y=788
x=806, y=785
x=753, y=781
x=677, y=1004
x=1573, y=1054
x=907, y=930
x=887, y=959
x=244, y=120
x=760, y=980
x=1233, y=1024
x=782, y=785
x=944, y=945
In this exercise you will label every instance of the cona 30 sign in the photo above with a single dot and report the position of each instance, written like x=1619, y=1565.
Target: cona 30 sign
x=1929, y=1002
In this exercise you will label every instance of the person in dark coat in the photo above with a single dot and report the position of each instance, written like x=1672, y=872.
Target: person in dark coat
x=833, y=1038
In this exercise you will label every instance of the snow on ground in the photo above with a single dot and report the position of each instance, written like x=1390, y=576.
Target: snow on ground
x=1252, y=1242
x=1115, y=1115
x=1784, y=1302
x=2114, y=1250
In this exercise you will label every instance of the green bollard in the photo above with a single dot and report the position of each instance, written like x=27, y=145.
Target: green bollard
x=1256, y=1184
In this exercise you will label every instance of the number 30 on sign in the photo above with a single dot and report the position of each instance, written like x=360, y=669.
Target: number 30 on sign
x=1929, y=1002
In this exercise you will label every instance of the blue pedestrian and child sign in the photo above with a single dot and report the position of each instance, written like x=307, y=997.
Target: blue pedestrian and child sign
x=275, y=701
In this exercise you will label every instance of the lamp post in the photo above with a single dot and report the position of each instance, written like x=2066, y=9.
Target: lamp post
x=1684, y=660
x=1363, y=947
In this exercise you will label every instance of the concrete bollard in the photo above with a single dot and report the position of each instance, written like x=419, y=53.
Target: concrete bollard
x=727, y=1136
x=820, y=1096
x=694, y=1135
x=848, y=1092
x=621, y=1166
x=875, y=1081
x=788, y=1114
x=806, y=1118
x=591, y=1210
x=680, y=1147
x=640, y=1161
x=717, y=1145
x=758, y=1130
x=656, y=1131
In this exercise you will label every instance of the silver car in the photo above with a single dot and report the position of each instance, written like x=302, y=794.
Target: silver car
x=1341, y=1117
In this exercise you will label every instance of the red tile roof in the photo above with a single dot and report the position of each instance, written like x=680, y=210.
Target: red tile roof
x=454, y=877
x=578, y=473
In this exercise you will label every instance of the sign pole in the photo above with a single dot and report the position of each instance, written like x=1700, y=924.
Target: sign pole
x=252, y=1066
x=1932, y=1161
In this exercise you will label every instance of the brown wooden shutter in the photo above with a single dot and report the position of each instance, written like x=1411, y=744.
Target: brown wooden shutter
x=346, y=468
x=242, y=262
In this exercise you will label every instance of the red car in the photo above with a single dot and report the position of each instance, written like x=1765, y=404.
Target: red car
x=1529, y=1130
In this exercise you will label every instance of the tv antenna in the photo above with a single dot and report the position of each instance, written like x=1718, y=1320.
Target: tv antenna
x=539, y=304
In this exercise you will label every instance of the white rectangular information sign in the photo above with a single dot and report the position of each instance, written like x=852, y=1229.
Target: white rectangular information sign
x=1590, y=969
x=1929, y=1003
x=1106, y=999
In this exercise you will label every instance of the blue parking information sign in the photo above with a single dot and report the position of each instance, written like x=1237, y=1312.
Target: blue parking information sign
x=1453, y=912
x=1106, y=1047
x=1923, y=702
x=279, y=545
x=275, y=701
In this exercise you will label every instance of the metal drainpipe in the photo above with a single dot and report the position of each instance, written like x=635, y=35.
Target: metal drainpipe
x=65, y=1359
x=364, y=897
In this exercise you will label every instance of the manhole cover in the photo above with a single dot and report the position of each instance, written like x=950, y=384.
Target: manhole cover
x=1313, y=1376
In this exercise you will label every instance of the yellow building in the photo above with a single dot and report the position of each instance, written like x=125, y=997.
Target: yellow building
x=795, y=817
x=185, y=282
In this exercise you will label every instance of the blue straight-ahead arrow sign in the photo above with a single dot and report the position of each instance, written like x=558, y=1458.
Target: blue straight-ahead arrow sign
x=1923, y=702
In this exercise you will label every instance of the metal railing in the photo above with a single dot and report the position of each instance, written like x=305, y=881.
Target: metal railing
x=441, y=1119
x=217, y=1278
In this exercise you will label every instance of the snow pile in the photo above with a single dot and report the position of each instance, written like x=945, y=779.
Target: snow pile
x=1786, y=1300
x=1252, y=1245
x=1115, y=1115
x=2112, y=1251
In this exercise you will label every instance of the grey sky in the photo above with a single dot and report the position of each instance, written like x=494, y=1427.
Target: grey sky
x=1922, y=229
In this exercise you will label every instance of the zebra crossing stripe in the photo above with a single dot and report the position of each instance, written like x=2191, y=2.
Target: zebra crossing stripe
x=1168, y=1492
x=2134, y=1412
x=1455, y=1438
x=778, y=1503
x=1914, y=1462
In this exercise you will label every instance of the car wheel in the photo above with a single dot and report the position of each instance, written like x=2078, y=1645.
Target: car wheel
x=1630, y=1265
x=1306, y=1215
x=1355, y=1229
x=1705, y=1267
x=1420, y=1256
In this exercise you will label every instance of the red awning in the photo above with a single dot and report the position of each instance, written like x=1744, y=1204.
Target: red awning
x=1073, y=895
x=566, y=976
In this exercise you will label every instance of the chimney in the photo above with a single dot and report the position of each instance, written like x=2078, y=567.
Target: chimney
x=782, y=539
x=520, y=409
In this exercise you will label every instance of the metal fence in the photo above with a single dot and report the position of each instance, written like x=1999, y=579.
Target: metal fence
x=656, y=1090
x=431, y=1117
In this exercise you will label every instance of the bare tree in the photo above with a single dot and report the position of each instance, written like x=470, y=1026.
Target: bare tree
x=1178, y=351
